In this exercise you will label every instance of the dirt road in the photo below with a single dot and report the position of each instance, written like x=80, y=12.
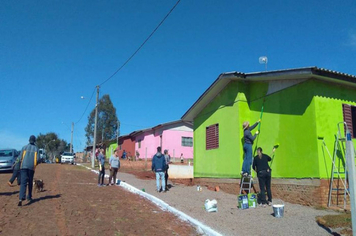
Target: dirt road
x=73, y=204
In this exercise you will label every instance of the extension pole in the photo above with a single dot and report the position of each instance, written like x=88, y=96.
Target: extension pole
x=350, y=155
x=96, y=121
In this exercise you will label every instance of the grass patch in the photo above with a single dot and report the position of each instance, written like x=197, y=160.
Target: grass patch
x=336, y=221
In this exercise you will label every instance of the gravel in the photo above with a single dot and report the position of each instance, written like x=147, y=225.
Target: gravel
x=229, y=220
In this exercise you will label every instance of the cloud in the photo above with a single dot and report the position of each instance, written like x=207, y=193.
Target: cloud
x=11, y=140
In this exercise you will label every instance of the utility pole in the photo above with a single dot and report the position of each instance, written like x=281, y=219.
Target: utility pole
x=71, y=139
x=96, y=121
x=350, y=155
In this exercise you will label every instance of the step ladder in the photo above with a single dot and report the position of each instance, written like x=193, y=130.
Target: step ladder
x=246, y=184
x=339, y=169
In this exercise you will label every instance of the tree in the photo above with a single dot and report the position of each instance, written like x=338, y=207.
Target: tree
x=52, y=144
x=107, y=124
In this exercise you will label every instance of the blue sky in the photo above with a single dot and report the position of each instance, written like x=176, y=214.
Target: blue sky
x=54, y=52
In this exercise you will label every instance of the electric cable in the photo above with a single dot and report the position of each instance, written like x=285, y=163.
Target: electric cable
x=87, y=105
x=139, y=48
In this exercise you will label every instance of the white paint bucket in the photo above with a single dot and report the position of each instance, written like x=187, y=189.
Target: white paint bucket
x=278, y=210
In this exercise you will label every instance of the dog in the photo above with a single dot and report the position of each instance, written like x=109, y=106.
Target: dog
x=38, y=184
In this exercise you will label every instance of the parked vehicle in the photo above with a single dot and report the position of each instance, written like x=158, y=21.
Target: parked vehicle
x=7, y=159
x=67, y=157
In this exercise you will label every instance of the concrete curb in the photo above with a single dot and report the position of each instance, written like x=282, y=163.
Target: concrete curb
x=206, y=230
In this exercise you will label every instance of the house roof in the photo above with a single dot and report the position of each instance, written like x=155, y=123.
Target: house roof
x=137, y=132
x=299, y=73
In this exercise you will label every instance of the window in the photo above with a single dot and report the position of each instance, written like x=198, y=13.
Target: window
x=212, y=137
x=120, y=147
x=187, y=141
x=349, y=113
x=139, y=143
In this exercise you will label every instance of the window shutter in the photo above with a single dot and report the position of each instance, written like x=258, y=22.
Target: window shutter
x=212, y=137
x=347, y=112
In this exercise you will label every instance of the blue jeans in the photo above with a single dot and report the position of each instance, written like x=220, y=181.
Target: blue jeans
x=160, y=175
x=246, y=165
x=26, y=180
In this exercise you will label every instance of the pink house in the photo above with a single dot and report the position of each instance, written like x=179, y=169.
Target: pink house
x=176, y=137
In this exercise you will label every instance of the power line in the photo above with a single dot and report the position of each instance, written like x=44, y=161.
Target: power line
x=87, y=106
x=139, y=48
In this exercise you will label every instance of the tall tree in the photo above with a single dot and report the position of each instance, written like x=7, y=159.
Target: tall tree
x=52, y=144
x=107, y=124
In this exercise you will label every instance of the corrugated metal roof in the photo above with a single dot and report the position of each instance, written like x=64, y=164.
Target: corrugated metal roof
x=296, y=73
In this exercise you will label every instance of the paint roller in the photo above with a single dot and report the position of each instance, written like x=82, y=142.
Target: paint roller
x=274, y=148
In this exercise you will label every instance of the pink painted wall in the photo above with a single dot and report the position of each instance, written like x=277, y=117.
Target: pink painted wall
x=171, y=140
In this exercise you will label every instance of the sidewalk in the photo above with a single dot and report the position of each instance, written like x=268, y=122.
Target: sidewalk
x=229, y=220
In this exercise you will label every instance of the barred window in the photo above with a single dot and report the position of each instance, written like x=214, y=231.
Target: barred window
x=139, y=143
x=187, y=141
x=212, y=137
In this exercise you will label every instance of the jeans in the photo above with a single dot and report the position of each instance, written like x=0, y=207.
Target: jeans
x=113, y=173
x=246, y=165
x=26, y=180
x=264, y=180
x=16, y=174
x=101, y=175
x=160, y=175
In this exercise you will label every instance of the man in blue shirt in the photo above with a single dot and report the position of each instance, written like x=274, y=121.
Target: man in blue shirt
x=159, y=167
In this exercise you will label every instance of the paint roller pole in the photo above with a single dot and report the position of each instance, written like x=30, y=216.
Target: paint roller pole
x=350, y=155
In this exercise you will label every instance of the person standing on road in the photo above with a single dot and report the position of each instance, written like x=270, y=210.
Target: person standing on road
x=168, y=160
x=248, y=142
x=101, y=160
x=114, y=163
x=159, y=167
x=260, y=165
x=29, y=158
x=15, y=174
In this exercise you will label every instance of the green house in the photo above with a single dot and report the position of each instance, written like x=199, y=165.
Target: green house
x=300, y=109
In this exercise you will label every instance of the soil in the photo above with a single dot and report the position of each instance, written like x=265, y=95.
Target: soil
x=73, y=204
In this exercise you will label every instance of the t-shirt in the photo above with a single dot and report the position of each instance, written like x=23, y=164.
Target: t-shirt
x=101, y=159
x=114, y=161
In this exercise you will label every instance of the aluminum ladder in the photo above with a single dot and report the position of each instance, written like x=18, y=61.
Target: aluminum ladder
x=339, y=168
x=246, y=184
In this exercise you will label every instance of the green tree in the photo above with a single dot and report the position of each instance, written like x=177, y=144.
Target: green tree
x=52, y=144
x=107, y=124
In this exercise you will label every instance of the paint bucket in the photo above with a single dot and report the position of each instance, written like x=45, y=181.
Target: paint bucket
x=198, y=188
x=278, y=210
x=242, y=201
x=211, y=206
x=252, y=200
x=118, y=182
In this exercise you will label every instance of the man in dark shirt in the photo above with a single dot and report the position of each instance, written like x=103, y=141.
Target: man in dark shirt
x=260, y=165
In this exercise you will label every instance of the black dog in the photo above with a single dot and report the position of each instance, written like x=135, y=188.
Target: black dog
x=38, y=184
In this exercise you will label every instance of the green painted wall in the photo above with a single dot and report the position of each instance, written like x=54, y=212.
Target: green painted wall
x=294, y=118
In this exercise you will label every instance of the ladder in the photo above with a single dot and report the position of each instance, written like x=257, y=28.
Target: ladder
x=246, y=184
x=339, y=168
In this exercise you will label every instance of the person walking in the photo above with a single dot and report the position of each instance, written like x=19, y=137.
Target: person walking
x=260, y=165
x=159, y=167
x=168, y=160
x=101, y=160
x=114, y=163
x=248, y=142
x=29, y=158
x=15, y=174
